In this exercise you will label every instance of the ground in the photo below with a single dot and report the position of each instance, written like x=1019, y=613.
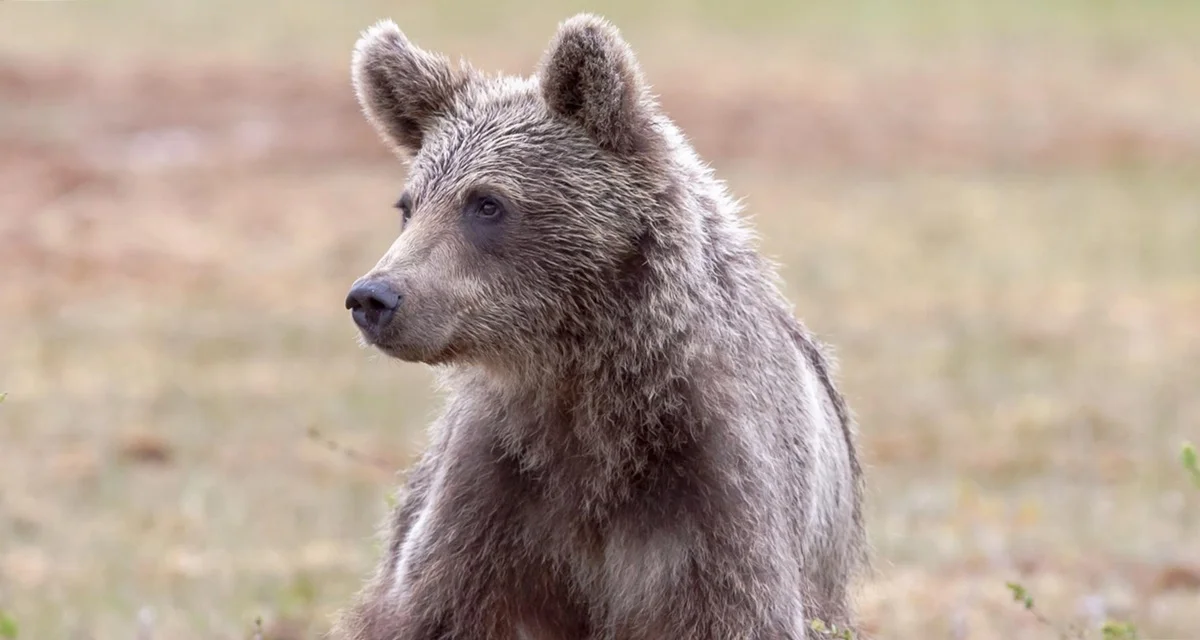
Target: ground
x=990, y=211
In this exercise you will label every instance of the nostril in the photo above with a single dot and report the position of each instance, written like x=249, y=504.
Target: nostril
x=375, y=304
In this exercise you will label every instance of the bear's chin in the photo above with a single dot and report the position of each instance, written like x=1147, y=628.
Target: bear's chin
x=419, y=354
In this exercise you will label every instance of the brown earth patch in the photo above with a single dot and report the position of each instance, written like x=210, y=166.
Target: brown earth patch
x=67, y=125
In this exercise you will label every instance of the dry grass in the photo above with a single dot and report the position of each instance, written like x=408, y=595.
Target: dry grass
x=992, y=214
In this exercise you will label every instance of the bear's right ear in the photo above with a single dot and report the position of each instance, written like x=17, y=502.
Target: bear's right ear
x=590, y=75
x=402, y=88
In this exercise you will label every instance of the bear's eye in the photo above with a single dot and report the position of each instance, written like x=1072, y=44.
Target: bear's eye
x=489, y=208
x=404, y=204
x=485, y=208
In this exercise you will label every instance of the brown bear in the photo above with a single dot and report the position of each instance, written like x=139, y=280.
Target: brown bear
x=640, y=442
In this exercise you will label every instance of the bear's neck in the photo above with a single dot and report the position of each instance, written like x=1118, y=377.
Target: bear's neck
x=642, y=380
x=593, y=426
x=638, y=384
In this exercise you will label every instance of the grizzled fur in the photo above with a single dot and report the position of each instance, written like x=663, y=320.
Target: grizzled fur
x=640, y=441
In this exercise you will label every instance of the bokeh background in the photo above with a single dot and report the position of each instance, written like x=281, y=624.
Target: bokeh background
x=990, y=210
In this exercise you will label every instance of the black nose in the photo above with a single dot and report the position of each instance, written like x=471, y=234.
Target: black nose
x=372, y=304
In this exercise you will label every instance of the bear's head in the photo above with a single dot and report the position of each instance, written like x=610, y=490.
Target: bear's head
x=527, y=200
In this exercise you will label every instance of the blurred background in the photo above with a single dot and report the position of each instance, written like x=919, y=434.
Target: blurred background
x=990, y=210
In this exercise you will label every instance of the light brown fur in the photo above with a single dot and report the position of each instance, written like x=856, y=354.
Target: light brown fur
x=640, y=441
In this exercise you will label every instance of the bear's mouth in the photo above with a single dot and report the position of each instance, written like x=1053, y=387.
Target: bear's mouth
x=372, y=316
x=410, y=340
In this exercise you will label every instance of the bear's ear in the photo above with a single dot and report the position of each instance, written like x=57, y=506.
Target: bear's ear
x=590, y=75
x=402, y=88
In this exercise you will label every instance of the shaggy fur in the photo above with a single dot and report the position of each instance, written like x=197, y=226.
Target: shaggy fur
x=640, y=441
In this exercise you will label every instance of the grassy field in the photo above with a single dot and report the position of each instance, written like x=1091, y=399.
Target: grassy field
x=991, y=211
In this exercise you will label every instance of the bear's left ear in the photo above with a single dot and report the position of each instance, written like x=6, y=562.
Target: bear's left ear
x=402, y=88
x=589, y=75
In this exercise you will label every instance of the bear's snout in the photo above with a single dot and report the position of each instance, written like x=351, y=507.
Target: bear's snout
x=372, y=303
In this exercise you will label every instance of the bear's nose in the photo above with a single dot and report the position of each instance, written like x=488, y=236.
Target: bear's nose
x=372, y=304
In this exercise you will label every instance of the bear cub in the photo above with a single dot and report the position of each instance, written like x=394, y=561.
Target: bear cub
x=640, y=441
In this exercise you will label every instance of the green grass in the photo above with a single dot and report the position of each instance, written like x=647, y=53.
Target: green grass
x=224, y=29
